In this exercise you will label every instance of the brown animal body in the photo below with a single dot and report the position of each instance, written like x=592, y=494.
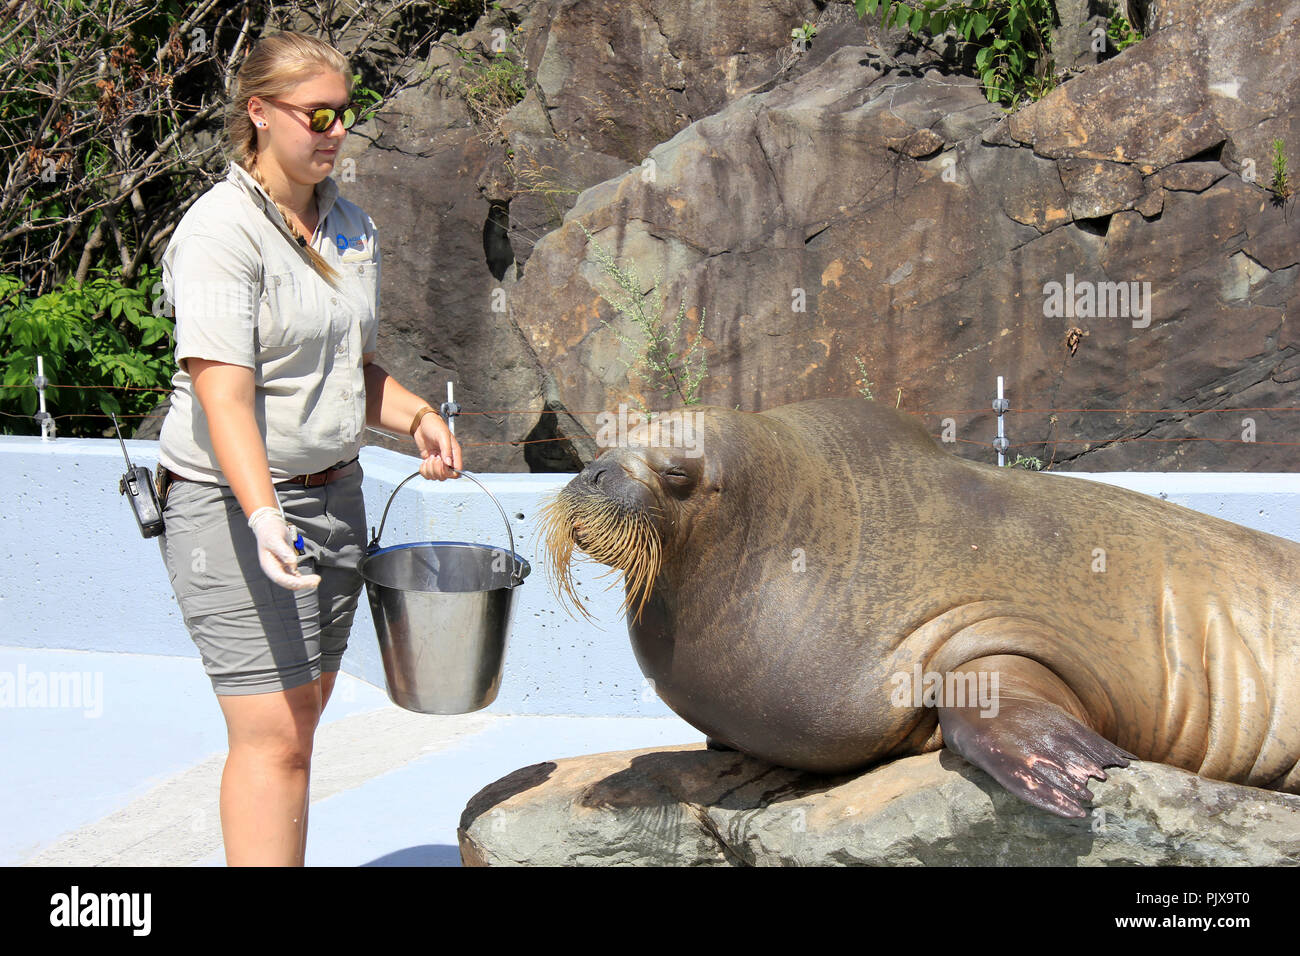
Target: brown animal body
x=816, y=560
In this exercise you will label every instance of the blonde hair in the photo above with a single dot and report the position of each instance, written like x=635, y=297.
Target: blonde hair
x=278, y=63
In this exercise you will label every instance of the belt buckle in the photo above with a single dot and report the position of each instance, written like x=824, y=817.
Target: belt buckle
x=306, y=481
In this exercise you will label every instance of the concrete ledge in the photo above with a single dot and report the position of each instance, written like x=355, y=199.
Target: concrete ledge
x=77, y=575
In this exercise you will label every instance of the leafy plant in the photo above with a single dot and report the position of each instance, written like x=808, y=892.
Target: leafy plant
x=804, y=34
x=1028, y=463
x=1012, y=38
x=1036, y=87
x=863, y=383
x=105, y=348
x=493, y=88
x=1120, y=32
x=111, y=113
x=365, y=97
x=1280, y=185
x=658, y=362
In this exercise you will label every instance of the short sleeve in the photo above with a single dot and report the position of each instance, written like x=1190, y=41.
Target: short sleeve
x=372, y=333
x=215, y=288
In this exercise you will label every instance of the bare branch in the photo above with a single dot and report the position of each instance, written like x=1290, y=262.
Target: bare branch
x=94, y=126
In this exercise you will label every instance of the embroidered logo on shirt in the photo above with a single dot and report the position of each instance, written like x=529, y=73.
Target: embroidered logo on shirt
x=350, y=242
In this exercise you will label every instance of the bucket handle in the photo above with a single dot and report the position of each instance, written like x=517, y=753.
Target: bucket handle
x=514, y=566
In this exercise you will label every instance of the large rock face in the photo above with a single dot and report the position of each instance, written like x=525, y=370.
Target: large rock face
x=688, y=806
x=459, y=205
x=857, y=200
x=923, y=229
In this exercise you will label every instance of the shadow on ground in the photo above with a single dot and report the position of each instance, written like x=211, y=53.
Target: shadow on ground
x=428, y=854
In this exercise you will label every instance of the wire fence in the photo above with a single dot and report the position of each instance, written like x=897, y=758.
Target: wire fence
x=941, y=414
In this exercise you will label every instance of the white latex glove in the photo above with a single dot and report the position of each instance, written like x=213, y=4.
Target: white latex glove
x=275, y=550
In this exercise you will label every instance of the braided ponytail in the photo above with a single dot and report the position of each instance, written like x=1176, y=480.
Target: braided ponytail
x=275, y=65
x=324, y=268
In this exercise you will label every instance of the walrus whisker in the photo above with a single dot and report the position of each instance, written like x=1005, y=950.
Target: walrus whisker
x=558, y=520
x=614, y=536
x=554, y=524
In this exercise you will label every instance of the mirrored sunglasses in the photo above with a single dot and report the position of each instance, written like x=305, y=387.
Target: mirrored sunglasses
x=323, y=117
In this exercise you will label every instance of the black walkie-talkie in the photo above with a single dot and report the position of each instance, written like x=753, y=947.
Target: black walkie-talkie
x=137, y=485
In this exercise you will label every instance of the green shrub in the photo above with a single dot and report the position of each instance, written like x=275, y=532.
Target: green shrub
x=659, y=364
x=1120, y=32
x=1035, y=464
x=1012, y=38
x=106, y=345
x=1280, y=185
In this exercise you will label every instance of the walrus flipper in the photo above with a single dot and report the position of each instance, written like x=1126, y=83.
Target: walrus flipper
x=1028, y=742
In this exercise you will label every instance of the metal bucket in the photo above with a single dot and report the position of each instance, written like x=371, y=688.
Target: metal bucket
x=442, y=612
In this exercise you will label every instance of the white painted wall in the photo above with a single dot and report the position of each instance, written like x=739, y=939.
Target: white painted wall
x=76, y=574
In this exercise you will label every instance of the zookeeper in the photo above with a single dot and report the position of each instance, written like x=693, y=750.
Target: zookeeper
x=274, y=278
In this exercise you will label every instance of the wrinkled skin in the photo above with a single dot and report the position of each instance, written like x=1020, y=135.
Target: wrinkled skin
x=819, y=557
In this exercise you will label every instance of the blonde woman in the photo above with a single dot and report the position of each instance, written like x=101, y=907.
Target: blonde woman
x=275, y=281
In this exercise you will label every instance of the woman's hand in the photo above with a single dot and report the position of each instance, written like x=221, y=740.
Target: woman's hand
x=390, y=407
x=438, y=447
x=275, y=550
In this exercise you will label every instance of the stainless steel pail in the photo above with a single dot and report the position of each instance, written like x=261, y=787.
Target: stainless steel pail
x=442, y=612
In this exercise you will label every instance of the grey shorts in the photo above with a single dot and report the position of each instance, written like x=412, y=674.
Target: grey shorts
x=253, y=635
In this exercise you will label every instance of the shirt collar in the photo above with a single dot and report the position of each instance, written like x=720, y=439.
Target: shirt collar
x=327, y=191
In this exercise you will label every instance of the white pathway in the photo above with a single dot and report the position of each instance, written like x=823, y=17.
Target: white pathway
x=130, y=775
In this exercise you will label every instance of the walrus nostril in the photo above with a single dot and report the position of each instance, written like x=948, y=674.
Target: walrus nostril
x=596, y=470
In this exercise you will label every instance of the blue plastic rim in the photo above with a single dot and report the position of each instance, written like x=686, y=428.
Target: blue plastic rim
x=520, y=568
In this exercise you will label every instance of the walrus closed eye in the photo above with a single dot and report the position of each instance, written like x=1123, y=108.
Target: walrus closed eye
x=831, y=589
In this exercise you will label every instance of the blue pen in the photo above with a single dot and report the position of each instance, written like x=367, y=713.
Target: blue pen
x=297, y=539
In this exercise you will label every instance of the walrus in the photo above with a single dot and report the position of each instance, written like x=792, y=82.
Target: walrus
x=823, y=587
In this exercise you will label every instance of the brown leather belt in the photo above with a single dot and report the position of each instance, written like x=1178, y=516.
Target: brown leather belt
x=323, y=477
x=314, y=480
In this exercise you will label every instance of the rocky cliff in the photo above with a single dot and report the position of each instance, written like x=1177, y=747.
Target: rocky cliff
x=1112, y=249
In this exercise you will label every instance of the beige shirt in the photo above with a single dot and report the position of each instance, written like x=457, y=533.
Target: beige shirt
x=244, y=292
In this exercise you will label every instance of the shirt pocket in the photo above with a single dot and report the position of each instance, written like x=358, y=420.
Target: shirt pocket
x=362, y=269
x=292, y=312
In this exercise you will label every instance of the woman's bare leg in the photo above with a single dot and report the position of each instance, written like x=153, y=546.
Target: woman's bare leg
x=265, y=785
x=327, y=679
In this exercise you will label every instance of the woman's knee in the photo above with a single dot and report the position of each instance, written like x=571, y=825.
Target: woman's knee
x=278, y=726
